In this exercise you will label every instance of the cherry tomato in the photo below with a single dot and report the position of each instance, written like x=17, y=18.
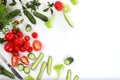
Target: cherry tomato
x=22, y=49
x=14, y=61
x=19, y=34
x=34, y=34
x=9, y=47
x=27, y=38
x=30, y=49
x=15, y=53
x=14, y=31
x=18, y=41
x=9, y=36
x=16, y=48
x=24, y=60
x=58, y=5
x=17, y=22
x=37, y=45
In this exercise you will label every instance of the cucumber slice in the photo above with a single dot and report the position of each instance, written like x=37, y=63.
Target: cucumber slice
x=49, y=65
x=20, y=67
x=26, y=69
x=68, y=61
x=28, y=27
x=69, y=74
x=76, y=77
x=31, y=56
x=68, y=19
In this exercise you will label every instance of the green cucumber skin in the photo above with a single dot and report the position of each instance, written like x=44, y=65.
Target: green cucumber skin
x=49, y=65
x=40, y=16
x=7, y=73
x=70, y=59
x=43, y=66
x=69, y=74
x=38, y=60
x=76, y=77
x=29, y=16
x=28, y=27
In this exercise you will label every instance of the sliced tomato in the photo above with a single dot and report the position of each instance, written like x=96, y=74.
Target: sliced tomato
x=37, y=45
x=24, y=60
x=14, y=61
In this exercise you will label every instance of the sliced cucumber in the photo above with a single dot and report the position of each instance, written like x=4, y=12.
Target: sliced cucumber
x=68, y=19
x=49, y=65
x=68, y=60
x=69, y=74
x=31, y=56
x=20, y=67
x=28, y=27
x=26, y=69
x=76, y=77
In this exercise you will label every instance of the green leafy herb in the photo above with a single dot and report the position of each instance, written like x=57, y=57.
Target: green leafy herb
x=13, y=3
x=50, y=5
x=2, y=40
x=29, y=77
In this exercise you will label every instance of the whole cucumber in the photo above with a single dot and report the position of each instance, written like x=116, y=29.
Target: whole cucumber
x=29, y=16
x=40, y=16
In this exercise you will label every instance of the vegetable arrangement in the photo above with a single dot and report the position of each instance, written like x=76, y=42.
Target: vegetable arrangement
x=18, y=44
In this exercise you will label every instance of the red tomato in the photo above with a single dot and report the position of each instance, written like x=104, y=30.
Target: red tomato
x=9, y=47
x=17, y=22
x=37, y=45
x=24, y=60
x=14, y=61
x=22, y=49
x=27, y=38
x=15, y=53
x=19, y=34
x=16, y=48
x=30, y=49
x=14, y=31
x=58, y=5
x=18, y=41
x=9, y=36
x=34, y=34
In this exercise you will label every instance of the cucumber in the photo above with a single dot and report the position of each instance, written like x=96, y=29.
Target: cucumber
x=28, y=27
x=68, y=60
x=69, y=74
x=26, y=69
x=38, y=60
x=20, y=67
x=7, y=73
x=76, y=77
x=43, y=66
x=68, y=19
x=40, y=16
x=31, y=56
x=49, y=65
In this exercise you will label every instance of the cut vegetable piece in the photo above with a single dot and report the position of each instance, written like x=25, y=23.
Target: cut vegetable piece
x=66, y=8
x=49, y=23
x=69, y=74
x=74, y=2
x=49, y=65
x=20, y=67
x=28, y=27
x=58, y=68
x=29, y=77
x=43, y=66
x=76, y=77
x=68, y=61
x=38, y=60
x=68, y=19
x=26, y=69
x=31, y=56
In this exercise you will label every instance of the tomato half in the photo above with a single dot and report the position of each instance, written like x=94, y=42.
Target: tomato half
x=24, y=60
x=14, y=61
x=37, y=45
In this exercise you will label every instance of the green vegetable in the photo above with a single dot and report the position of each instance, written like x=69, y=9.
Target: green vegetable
x=43, y=66
x=49, y=65
x=49, y=23
x=76, y=77
x=69, y=74
x=68, y=19
x=28, y=27
x=66, y=8
x=29, y=77
x=13, y=3
x=68, y=61
x=14, y=13
x=40, y=16
x=5, y=72
x=74, y=2
x=29, y=15
x=20, y=67
x=26, y=69
x=31, y=56
x=38, y=60
x=58, y=68
x=2, y=2
x=2, y=40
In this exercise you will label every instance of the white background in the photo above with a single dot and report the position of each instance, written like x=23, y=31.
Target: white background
x=94, y=42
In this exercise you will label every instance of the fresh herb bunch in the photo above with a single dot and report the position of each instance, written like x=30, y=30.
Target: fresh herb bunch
x=33, y=5
x=50, y=5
